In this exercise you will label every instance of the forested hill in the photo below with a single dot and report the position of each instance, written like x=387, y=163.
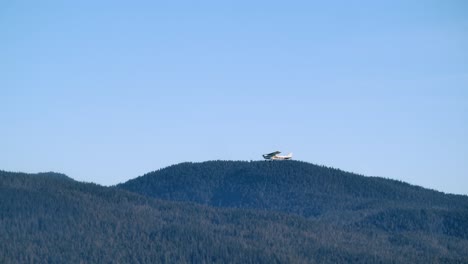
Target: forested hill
x=49, y=219
x=329, y=195
x=322, y=215
x=287, y=186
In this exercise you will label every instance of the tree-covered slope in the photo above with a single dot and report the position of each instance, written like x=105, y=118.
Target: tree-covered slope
x=318, y=192
x=49, y=218
x=290, y=186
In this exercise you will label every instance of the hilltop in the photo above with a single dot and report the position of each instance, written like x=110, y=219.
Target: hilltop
x=304, y=189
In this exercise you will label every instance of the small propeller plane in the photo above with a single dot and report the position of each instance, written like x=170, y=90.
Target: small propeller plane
x=275, y=156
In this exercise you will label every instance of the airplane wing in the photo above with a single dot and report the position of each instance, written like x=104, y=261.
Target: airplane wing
x=269, y=155
x=273, y=153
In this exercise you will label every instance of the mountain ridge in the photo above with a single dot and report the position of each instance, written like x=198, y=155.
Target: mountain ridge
x=316, y=192
x=178, y=182
x=229, y=211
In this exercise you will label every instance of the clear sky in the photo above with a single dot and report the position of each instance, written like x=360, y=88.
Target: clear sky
x=105, y=91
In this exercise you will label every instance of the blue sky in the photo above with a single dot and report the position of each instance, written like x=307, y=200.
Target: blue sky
x=105, y=91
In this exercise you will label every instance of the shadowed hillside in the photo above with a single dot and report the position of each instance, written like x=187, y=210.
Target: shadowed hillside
x=287, y=186
x=327, y=195
x=51, y=218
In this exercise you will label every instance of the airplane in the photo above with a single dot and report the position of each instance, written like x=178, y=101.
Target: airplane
x=275, y=156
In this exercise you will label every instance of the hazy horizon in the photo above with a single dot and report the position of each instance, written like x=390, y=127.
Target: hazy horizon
x=105, y=92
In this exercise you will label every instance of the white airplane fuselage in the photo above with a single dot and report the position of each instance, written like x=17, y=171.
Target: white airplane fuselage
x=275, y=156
